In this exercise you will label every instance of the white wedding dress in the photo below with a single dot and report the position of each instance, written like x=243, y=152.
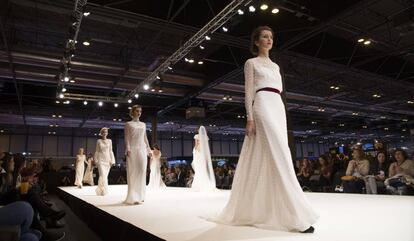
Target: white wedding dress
x=155, y=181
x=88, y=177
x=104, y=157
x=136, y=143
x=79, y=169
x=265, y=191
x=204, y=178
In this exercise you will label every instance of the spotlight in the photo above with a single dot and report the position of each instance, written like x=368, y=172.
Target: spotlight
x=87, y=13
x=264, y=7
x=63, y=89
x=54, y=116
x=160, y=91
x=66, y=79
x=114, y=119
x=252, y=9
x=186, y=60
x=86, y=43
x=61, y=95
x=136, y=96
x=146, y=87
x=275, y=10
x=100, y=103
x=207, y=37
x=361, y=40
x=201, y=47
x=57, y=102
x=367, y=42
x=200, y=62
x=410, y=102
x=169, y=67
x=130, y=101
x=158, y=77
x=116, y=105
x=230, y=98
x=240, y=12
x=225, y=29
x=153, y=90
x=191, y=61
x=72, y=81
x=60, y=116
x=67, y=102
x=85, y=102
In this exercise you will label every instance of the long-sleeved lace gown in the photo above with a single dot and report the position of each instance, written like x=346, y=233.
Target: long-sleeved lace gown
x=137, y=144
x=79, y=169
x=155, y=181
x=265, y=191
x=104, y=157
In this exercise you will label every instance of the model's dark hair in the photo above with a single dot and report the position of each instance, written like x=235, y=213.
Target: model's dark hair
x=156, y=147
x=255, y=37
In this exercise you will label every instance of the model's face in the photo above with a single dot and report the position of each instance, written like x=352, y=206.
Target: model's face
x=381, y=158
x=81, y=151
x=355, y=154
x=104, y=133
x=136, y=113
x=265, y=41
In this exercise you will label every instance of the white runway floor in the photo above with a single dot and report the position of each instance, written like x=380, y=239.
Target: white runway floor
x=175, y=214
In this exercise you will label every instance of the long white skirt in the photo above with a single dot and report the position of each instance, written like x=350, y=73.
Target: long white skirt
x=155, y=181
x=201, y=181
x=88, y=177
x=136, y=168
x=265, y=192
x=102, y=188
x=79, y=170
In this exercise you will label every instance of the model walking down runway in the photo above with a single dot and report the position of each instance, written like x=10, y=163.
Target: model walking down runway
x=104, y=158
x=204, y=178
x=155, y=180
x=137, y=150
x=88, y=177
x=265, y=192
x=79, y=167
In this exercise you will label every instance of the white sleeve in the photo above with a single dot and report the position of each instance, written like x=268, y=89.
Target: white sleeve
x=127, y=134
x=249, y=88
x=97, y=151
x=112, y=161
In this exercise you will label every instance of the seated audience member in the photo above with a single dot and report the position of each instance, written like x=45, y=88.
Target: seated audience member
x=304, y=173
x=378, y=173
x=358, y=167
x=325, y=171
x=401, y=174
x=19, y=214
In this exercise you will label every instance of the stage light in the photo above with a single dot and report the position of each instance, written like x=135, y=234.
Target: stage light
x=130, y=101
x=225, y=29
x=191, y=61
x=60, y=116
x=264, y=7
x=169, y=67
x=66, y=79
x=86, y=43
x=410, y=102
x=114, y=119
x=116, y=105
x=405, y=120
x=230, y=98
x=153, y=90
x=136, y=97
x=275, y=10
x=87, y=13
x=252, y=9
x=186, y=60
x=67, y=102
x=367, y=42
x=146, y=87
x=72, y=81
x=158, y=77
x=57, y=102
x=240, y=12
x=63, y=89
x=200, y=62
x=100, y=103
x=85, y=102
x=54, y=116
x=61, y=95
x=201, y=47
x=361, y=40
x=160, y=91
x=207, y=37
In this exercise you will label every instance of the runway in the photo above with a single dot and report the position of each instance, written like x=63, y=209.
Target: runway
x=177, y=214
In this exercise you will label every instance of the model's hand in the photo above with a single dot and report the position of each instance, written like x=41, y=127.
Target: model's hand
x=250, y=128
x=150, y=154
